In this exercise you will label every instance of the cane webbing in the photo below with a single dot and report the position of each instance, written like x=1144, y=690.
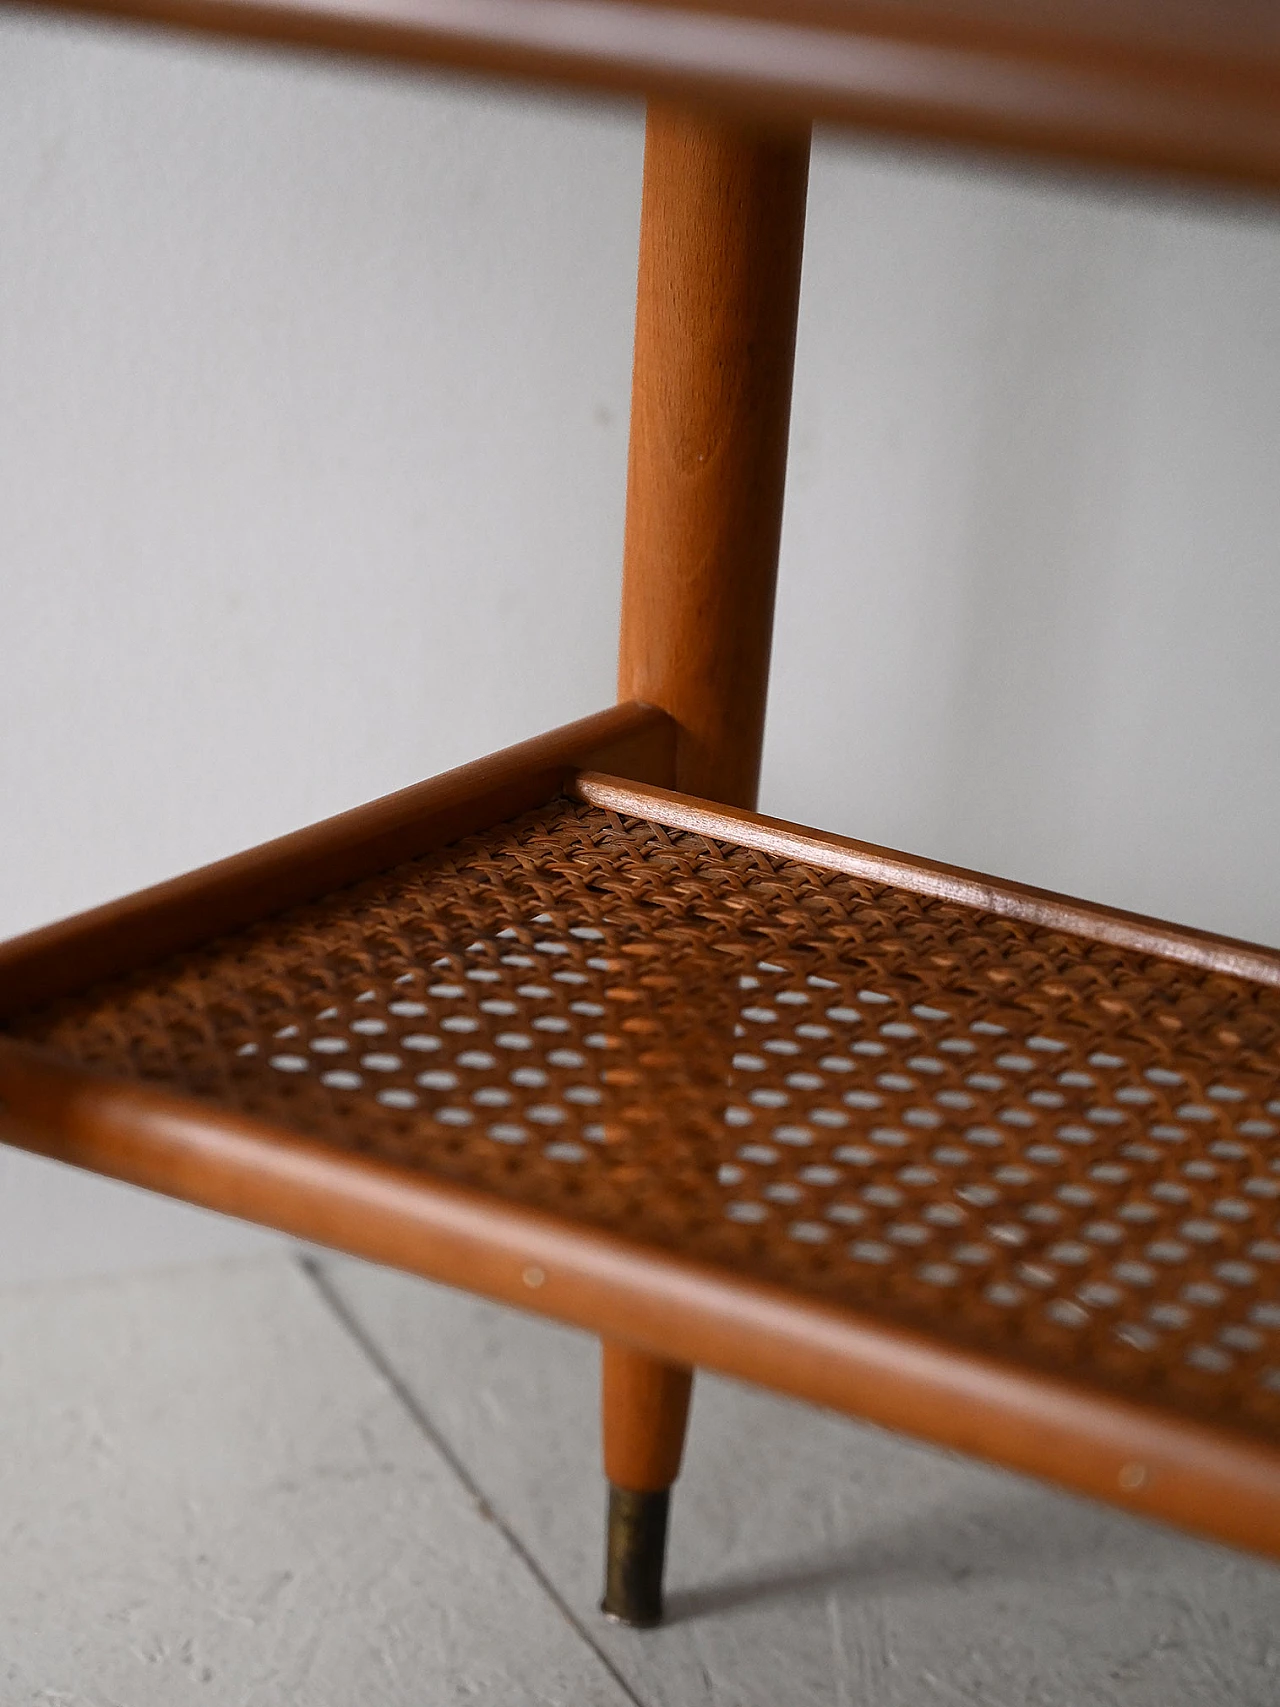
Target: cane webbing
x=1056, y=1150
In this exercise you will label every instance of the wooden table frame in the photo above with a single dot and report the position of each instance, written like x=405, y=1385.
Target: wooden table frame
x=734, y=87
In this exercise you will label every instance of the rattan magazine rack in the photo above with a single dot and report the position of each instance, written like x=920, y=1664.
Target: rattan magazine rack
x=573, y=1027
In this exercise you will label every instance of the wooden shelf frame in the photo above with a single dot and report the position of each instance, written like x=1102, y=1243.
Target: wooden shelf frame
x=1214, y=1478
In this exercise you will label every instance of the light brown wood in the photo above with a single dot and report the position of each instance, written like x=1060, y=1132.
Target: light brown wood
x=1184, y=86
x=1210, y=1480
x=931, y=877
x=43, y=964
x=722, y=227
x=645, y=1412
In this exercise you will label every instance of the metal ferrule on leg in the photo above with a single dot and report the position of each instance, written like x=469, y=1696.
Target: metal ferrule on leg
x=635, y=1555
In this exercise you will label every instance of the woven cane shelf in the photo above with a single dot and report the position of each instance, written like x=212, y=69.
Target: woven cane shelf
x=955, y=1144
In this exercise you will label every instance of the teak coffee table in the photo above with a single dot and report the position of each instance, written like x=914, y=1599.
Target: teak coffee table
x=574, y=1028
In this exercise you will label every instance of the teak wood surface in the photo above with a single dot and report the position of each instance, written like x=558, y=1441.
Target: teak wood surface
x=645, y=1405
x=721, y=242
x=1190, y=87
x=721, y=235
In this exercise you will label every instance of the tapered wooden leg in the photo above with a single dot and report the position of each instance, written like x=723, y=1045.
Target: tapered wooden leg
x=645, y=1409
x=721, y=233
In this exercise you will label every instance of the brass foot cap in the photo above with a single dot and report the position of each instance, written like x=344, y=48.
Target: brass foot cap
x=635, y=1555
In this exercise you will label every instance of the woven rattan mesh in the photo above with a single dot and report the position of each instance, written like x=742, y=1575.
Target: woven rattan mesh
x=1056, y=1150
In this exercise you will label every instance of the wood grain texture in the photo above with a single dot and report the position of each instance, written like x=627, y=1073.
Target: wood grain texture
x=1206, y=1479
x=44, y=964
x=645, y=1410
x=932, y=877
x=1183, y=86
x=721, y=234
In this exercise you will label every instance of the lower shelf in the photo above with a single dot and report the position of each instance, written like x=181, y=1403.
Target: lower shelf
x=976, y=1162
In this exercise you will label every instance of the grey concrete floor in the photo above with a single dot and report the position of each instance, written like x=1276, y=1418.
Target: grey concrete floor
x=282, y=1480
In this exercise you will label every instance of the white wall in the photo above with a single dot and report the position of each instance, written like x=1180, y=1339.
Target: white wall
x=312, y=444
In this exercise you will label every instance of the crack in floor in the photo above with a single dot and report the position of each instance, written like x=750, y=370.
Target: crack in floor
x=314, y=1271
